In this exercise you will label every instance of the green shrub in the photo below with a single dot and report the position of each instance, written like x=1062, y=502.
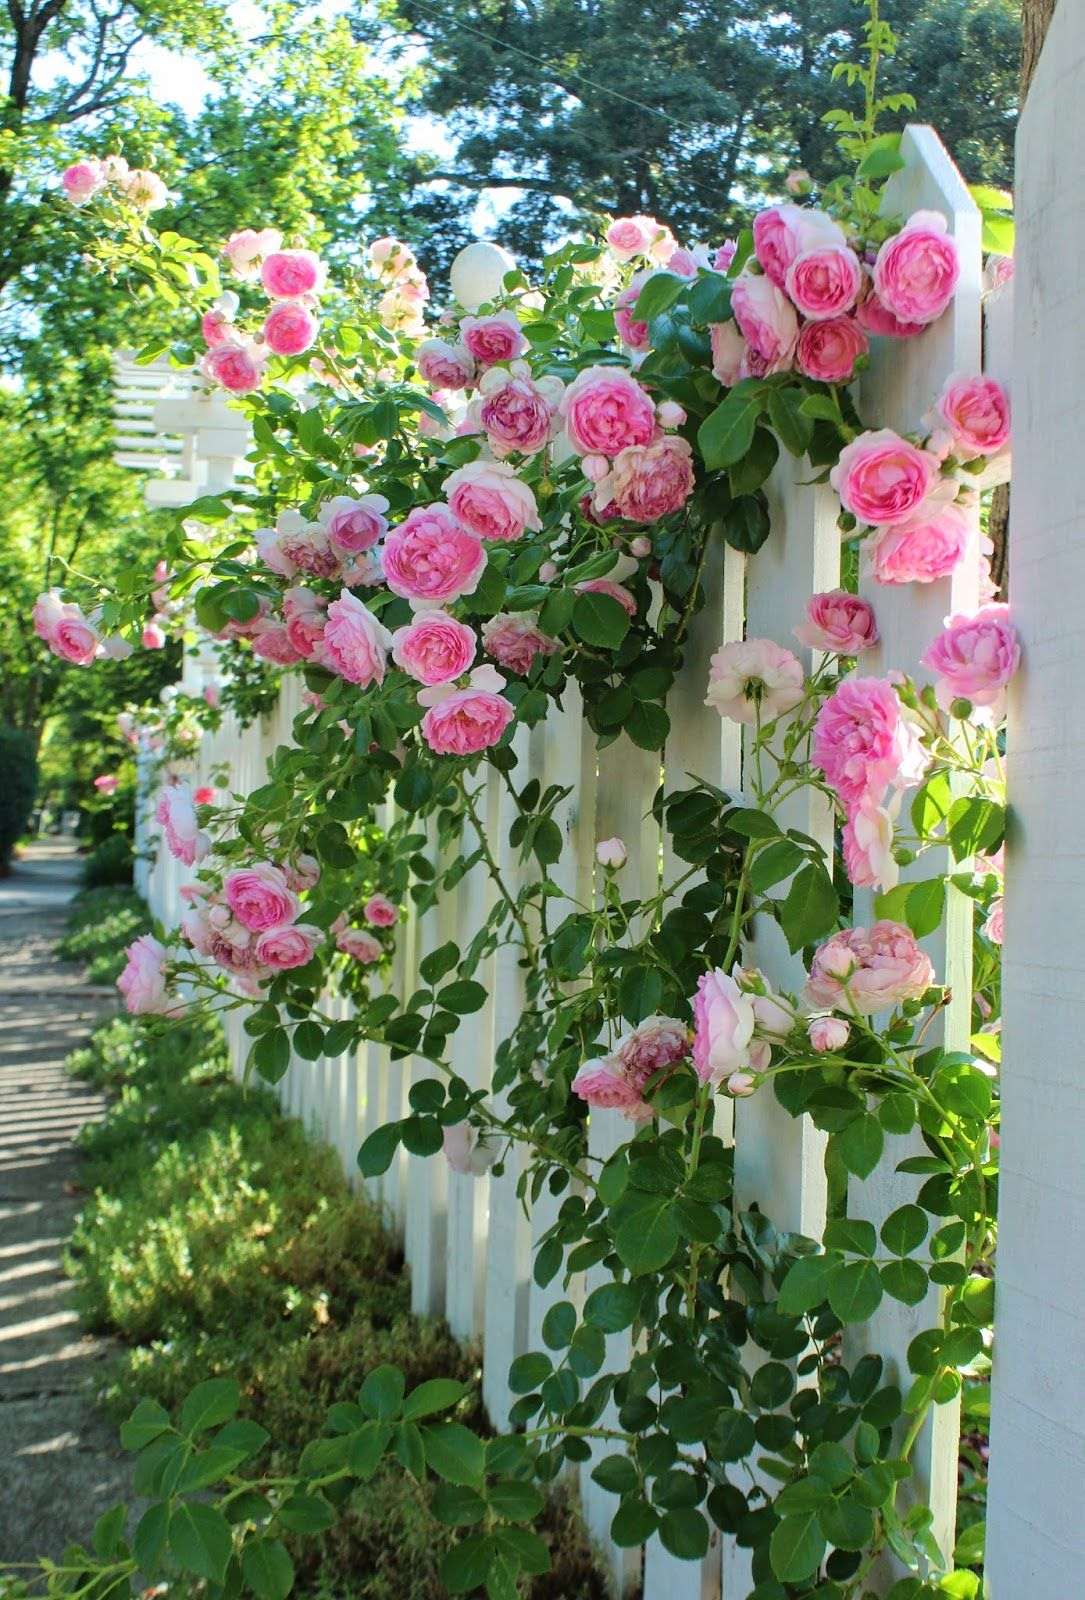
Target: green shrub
x=110, y=862
x=18, y=788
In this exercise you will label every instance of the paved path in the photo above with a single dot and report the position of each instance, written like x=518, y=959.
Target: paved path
x=60, y=1464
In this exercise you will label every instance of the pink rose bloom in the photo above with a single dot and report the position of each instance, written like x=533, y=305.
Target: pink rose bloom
x=491, y=501
x=974, y=658
x=607, y=586
x=728, y=352
x=204, y=795
x=359, y=945
x=245, y=249
x=754, y=680
x=993, y=927
x=875, y=318
x=723, y=1024
x=869, y=971
x=725, y=254
x=612, y=853
x=827, y=351
x=863, y=742
x=303, y=612
x=106, y=783
x=916, y=271
x=152, y=637
x=514, y=639
x=630, y=236
x=767, y=321
x=176, y=813
x=354, y=525
x=355, y=643
x=64, y=628
x=925, y=547
x=272, y=642
x=290, y=328
x=145, y=190
x=837, y=622
x=260, y=897
x=283, y=948
x=824, y=282
x=466, y=1151
x=391, y=257
x=976, y=412
x=881, y=478
x=605, y=410
x=431, y=559
x=461, y=722
x=682, y=262
x=237, y=364
x=868, y=848
x=828, y=1033
x=434, y=648
x=648, y=482
x=605, y=1087
x=515, y=412
x=653, y=1044
x=493, y=339
x=302, y=873
x=443, y=365
x=379, y=911
x=143, y=981
x=782, y=233
x=633, y=334
x=82, y=180
x=288, y=274
x=997, y=273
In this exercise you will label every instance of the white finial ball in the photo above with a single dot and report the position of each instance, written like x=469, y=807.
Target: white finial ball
x=478, y=273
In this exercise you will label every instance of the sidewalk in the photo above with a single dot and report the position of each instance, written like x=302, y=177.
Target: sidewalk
x=60, y=1463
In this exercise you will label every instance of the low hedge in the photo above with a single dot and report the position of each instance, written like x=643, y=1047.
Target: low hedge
x=18, y=788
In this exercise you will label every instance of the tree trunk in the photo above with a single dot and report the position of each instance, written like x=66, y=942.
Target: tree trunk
x=1035, y=20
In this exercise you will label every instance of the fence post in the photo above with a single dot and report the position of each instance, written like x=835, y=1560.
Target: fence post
x=1036, y=1534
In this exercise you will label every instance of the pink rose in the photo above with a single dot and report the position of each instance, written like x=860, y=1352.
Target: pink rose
x=648, y=482
x=461, y=722
x=144, y=190
x=212, y=695
x=782, y=233
x=391, y=257
x=379, y=911
x=881, y=478
x=303, y=872
x=723, y=1024
x=271, y=642
x=106, y=783
x=443, y=365
x=767, y=321
x=354, y=525
x=630, y=236
x=434, y=648
x=728, y=352
x=976, y=412
x=152, y=637
x=725, y=254
x=875, y=318
x=824, y=282
x=605, y=1087
x=355, y=643
x=176, y=813
x=974, y=658
x=359, y=945
x=868, y=848
x=217, y=327
x=288, y=274
x=64, y=628
x=607, y=586
x=466, y=1151
x=827, y=351
x=245, y=249
x=605, y=409
x=260, y=897
x=493, y=339
x=237, y=364
x=653, y=1044
x=143, y=981
x=612, y=853
x=993, y=927
x=283, y=948
x=303, y=612
x=514, y=639
x=925, y=547
x=633, y=334
x=754, y=680
x=515, y=412
x=869, y=971
x=82, y=180
x=290, y=328
x=491, y=501
x=916, y=271
x=837, y=622
x=431, y=559
x=863, y=742
x=204, y=795
x=828, y=1033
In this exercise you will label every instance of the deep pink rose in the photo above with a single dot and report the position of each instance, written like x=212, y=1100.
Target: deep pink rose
x=655, y=1043
x=237, y=364
x=824, y=282
x=290, y=328
x=837, y=622
x=648, y=482
x=605, y=409
x=633, y=334
x=827, y=351
x=82, y=180
x=927, y=546
x=863, y=742
x=444, y=365
x=355, y=642
x=869, y=971
x=916, y=271
x=607, y=586
x=434, y=648
x=283, y=948
x=974, y=658
x=303, y=612
x=106, y=783
x=875, y=318
x=514, y=639
x=976, y=413
x=725, y=254
x=754, y=680
x=379, y=911
x=217, y=327
x=881, y=478
x=491, y=501
x=354, y=525
x=272, y=642
x=204, y=795
x=260, y=897
x=431, y=559
x=493, y=339
x=359, y=945
x=288, y=274
x=516, y=413
x=767, y=321
x=143, y=981
x=782, y=233
x=460, y=722
x=723, y=1024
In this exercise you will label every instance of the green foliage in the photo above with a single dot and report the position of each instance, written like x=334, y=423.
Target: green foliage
x=18, y=788
x=102, y=921
x=108, y=863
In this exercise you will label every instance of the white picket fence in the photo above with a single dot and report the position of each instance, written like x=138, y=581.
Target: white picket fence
x=467, y=1242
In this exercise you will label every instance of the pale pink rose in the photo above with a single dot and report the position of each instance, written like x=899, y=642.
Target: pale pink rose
x=869, y=971
x=868, y=848
x=379, y=911
x=740, y=1085
x=974, y=658
x=916, y=271
x=431, y=559
x=605, y=1087
x=303, y=613
x=725, y=254
x=236, y=364
x=993, y=927
x=391, y=257
x=246, y=248
x=925, y=547
x=648, y=482
x=303, y=872
x=605, y=410
x=64, y=628
x=491, y=501
x=177, y=814
x=728, y=352
x=881, y=478
x=670, y=414
x=217, y=327
x=515, y=412
x=290, y=328
x=359, y=945
x=493, y=339
x=47, y=612
x=466, y=1151
x=284, y=948
x=273, y=642
x=781, y=233
x=824, y=282
x=204, y=795
x=106, y=783
x=611, y=853
x=143, y=981
x=594, y=468
x=355, y=643
x=682, y=262
x=461, y=722
x=863, y=742
x=828, y=1033
x=640, y=547
x=434, y=648
x=82, y=180
x=754, y=680
x=767, y=321
x=633, y=334
x=443, y=365
x=976, y=412
x=144, y=190
x=997, y=273
x=827, y=351
x=653, y=1044
x=607, y=586
x=514, y=639
x=837, y=622
x=260, y=897
x=630, y=236
x=723, y=1024
x=288, y=274
x=354, y=525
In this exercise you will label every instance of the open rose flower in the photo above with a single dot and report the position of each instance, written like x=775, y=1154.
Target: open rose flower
x=633, y=334
x=869, y=970
x=754, y=680
x=605, y=410
x=838, y=623
x=246, y=248
x=723, y=1024
x=881, y=478
x=143, y=981
x=444, y=365
x=975, y=412
x=63, y=626
x=491, y=501
x=359, y=945
x=648, y=482
x=493, y=339
x=237, y=364
x=82, y=180
x=825, y=281
x=875, y=318
x=994, y=925
x=827, y=351
x=304, y=618
x=868, y=848
x=767, y=321
x=514, y=639
x=284, y=948
x=783, y=233
x=863, y=742
x=434, y=648
x=272, y=642
x=176, y=812
x=461, y=722
x=431, y=558
x=974, y=658
x=289, y=328
x=916, y=271
x=354, y=525
x=606, y=1087
x=516, y=413
x=466, y=1151
x=379, y=911
x=921, y=549
x=289, y=274
x=260, y=897
x=639, y=236
x=355, y=643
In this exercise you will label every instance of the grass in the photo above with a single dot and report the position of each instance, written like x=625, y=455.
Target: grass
x=100, y=924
